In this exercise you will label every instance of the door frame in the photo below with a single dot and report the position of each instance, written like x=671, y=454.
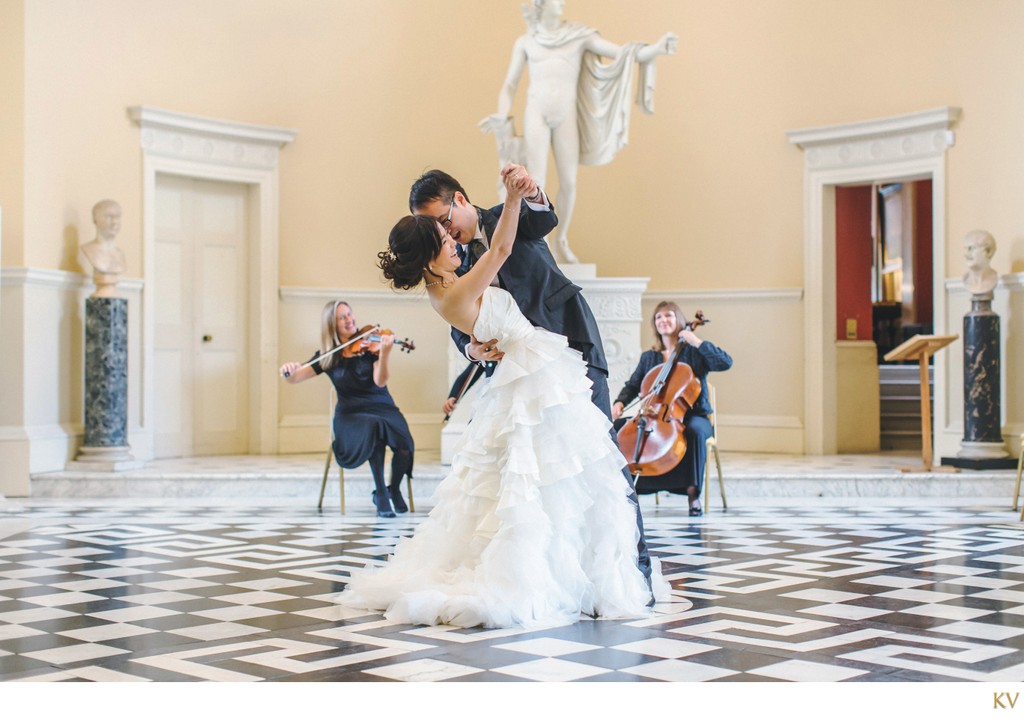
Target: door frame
x=904, y=147
x=176, y=143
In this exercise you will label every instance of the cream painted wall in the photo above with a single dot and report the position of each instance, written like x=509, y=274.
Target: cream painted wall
x=380, y=91
x=12, y=127
x=706, y=200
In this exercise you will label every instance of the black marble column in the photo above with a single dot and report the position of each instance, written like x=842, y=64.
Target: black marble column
x=982, y=445
x=106, y=372
x=981, y=374
x=106, y=385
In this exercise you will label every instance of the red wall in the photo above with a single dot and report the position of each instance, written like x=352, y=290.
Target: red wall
x=923, y=252
x=853, y=259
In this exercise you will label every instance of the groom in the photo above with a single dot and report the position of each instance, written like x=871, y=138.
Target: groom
x=546, y=297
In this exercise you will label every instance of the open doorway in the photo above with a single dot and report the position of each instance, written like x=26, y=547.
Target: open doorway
x=884, y=240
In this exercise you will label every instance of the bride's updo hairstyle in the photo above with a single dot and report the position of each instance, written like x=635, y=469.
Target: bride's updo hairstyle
x=413, y=243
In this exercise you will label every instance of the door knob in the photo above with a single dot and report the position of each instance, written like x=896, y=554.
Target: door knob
x=207, y=338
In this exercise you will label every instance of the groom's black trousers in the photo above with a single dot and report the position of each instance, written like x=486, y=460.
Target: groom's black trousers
x=600, y=396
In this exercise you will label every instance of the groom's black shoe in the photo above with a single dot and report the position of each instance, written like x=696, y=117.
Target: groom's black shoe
x=396, y=499
x=383, y=508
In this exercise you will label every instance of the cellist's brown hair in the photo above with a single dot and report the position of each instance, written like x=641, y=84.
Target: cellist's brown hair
x=681, y=320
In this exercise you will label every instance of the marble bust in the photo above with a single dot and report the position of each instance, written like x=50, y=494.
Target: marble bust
x=577, y=107
x=103, y=254
x=980, y=278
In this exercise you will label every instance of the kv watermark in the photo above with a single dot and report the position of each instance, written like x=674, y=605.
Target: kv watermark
x=1005, y=700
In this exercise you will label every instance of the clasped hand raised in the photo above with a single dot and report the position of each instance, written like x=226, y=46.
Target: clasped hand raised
x=517, y=181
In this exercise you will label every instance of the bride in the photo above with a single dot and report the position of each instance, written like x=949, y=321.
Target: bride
x=533, y=526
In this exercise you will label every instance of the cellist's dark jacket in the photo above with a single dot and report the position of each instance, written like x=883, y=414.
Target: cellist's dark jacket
x=703, y=359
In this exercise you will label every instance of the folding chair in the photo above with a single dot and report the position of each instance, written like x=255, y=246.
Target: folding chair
x=341, y=483
x=341, y=479
x=712, y=444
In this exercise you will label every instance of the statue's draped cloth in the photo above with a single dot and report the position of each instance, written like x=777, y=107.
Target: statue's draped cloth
x=603, y=93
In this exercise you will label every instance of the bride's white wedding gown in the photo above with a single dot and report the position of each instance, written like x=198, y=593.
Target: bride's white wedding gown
x=533, y=526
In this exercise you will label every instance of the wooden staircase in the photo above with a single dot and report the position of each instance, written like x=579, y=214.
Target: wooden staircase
x=900, y=399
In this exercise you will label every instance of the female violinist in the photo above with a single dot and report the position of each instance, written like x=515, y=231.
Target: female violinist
x=702, y=357
x=366, y=420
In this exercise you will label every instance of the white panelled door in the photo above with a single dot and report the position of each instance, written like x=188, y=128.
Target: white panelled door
x=201, y=339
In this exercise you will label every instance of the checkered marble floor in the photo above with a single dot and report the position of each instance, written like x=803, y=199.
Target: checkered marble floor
x=129, y=591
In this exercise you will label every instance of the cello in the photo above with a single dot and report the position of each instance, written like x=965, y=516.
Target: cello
x=652, y=441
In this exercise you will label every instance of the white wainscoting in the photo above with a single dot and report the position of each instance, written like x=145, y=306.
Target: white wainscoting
x=41, y=388
x=760, y=399
x=419, y=379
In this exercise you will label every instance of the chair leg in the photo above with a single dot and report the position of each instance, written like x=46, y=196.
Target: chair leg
x=707, y=477
x=657, y=498
x=721, y=482
x=408, y=488
x=1016, y=487
x=323, y=484
x=1020, y=468
x=341, y=487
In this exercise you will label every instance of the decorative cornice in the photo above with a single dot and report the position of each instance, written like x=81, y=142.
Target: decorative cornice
x=204, y=139
x=1013, y=282
x=904, y=137
x=39, y=277
x=323, y=294
x=782, y=294
x=940, y=118
x=613, y=284
x=155, y=117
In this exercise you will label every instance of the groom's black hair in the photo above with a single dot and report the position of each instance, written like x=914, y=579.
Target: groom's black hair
x=433, y=185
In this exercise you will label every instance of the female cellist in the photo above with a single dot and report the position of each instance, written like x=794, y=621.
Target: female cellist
x=366, y=419
x=702, y=357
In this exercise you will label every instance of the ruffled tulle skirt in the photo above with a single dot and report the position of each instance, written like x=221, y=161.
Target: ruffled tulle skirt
x=534, y=525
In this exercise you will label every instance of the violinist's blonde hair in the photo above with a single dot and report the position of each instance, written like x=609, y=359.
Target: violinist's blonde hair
x=329, y=332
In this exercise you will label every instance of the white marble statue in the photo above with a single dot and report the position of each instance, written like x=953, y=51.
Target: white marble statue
x=980, y=278
x=576, y=105
x=103, y=254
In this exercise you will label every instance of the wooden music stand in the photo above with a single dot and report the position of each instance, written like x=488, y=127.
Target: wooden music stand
x=921, y=348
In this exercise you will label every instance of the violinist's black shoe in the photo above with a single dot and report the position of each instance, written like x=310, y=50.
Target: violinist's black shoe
x=397, y=500
x=383, y=508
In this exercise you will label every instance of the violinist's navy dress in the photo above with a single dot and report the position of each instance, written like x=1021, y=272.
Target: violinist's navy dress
x=365, y=415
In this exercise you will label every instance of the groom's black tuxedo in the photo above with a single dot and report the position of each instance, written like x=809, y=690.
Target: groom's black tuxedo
x=547, y=297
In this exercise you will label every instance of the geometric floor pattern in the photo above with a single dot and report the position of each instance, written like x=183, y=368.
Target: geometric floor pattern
x=111, y=592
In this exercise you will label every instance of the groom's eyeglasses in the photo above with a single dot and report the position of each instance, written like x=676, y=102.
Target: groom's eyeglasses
x=446, y=223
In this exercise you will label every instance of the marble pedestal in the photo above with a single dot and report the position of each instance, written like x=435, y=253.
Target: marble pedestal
x=105, y=448
x=982, y=446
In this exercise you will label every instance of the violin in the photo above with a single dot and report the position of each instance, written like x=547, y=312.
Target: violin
x=366, y=340
x=370, y=340
x=653, y=441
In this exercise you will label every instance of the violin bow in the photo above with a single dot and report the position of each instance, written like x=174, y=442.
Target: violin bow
x=465, y=385
x=339, y=347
